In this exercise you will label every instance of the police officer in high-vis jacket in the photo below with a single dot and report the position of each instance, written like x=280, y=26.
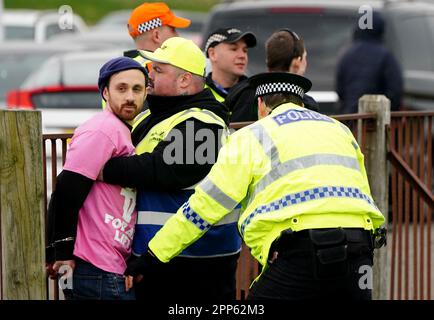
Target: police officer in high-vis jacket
x=307, y=212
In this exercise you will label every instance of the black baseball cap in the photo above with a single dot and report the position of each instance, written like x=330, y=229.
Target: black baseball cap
x=229, y=35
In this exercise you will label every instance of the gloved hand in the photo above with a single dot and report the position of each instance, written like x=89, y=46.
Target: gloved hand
x=141, y=264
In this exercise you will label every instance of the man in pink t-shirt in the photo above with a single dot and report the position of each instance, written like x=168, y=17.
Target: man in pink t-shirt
x=91, y=223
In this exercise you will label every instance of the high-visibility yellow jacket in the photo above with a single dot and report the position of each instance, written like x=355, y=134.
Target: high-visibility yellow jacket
x=156, y=207
x=294, y=169
x=216, y=95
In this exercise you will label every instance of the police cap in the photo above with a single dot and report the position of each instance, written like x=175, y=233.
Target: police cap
x=280, y=82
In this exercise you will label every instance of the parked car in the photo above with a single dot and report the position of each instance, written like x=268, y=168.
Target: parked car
x=326, y=27
x=64, y=88
x=37, y=25
x=18, y=59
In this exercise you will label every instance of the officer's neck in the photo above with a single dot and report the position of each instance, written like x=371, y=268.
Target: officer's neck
x=224, y=79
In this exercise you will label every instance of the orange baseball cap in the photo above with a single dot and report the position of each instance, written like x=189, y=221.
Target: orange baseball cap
x=149, y=16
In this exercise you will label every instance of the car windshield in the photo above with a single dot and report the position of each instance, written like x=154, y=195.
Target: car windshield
x=14, y=68
x=314, y=27
x=19, y=33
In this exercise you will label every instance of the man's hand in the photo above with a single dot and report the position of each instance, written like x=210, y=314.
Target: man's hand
x=55, y=269
x=50, y=271
x=138, y=266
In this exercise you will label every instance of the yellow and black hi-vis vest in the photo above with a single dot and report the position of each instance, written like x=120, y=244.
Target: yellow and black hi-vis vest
x=155, y=208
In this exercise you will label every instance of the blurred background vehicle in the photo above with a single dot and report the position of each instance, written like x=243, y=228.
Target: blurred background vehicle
x=36, y=25
x=98, y=39
x=327, y=27
x=18, y=59
x=64, y=88
x=411, y=38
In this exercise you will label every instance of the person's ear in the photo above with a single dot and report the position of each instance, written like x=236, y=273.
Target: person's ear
x=184, y=80
x=105, y=93
x=295, y=64
x=212, y=54
x=155, y=36
x=262, y=108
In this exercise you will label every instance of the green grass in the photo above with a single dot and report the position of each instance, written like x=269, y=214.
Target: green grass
x=93, y=10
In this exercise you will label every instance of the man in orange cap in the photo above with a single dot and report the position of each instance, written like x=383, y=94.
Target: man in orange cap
x=150, y=24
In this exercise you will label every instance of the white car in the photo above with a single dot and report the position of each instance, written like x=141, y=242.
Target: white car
x=39, y=26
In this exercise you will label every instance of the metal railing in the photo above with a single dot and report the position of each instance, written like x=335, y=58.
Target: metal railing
x=54, y=152
x=411, y=200
x=410, y=152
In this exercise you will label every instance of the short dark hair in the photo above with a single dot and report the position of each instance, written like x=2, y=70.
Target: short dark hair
x=281, y=48
x=276, y=99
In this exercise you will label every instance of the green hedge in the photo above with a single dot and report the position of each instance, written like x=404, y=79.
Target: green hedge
x=93, y=10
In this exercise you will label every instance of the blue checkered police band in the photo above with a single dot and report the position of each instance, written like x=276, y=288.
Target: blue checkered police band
x=292, y=115
x=195, y=218
x=308, y=195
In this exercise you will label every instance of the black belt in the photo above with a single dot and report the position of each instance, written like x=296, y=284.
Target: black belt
x=302, y=241
x=330, y=250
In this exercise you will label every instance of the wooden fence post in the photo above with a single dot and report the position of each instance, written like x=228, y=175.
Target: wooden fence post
x=378, y=175
x=22, y=227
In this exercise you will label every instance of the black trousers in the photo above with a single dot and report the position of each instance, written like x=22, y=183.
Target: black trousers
x=297, y=273
x=191, y=280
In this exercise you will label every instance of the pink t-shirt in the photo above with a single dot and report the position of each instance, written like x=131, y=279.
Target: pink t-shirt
x=106, y=220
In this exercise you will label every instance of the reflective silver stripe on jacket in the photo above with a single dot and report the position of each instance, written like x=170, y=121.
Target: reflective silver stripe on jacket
x=289, y=166
x=160, y=218
x=267, y=144
x=346, y=129
x=217, y=195
x=211, y=114
x=280, y=169
x=349, y=132
x=355, y=145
